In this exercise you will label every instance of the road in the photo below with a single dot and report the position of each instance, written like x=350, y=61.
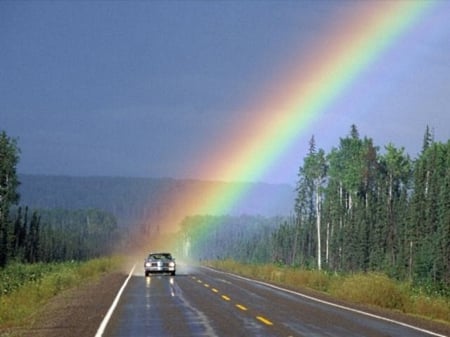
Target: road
x=203, y=302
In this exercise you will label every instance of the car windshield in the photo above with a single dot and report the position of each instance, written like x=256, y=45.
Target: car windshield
x=160, y=256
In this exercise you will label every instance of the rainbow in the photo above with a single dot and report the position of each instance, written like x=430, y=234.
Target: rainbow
x=300, y=97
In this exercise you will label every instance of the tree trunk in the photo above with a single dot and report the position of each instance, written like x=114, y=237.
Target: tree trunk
x=319, y=258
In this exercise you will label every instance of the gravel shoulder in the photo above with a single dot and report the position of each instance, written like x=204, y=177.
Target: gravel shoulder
x=76, y=312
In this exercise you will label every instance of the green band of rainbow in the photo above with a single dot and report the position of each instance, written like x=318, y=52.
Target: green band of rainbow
x=301, y=96
x=308, y=90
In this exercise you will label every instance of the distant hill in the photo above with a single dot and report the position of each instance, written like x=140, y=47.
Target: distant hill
x=132, y=200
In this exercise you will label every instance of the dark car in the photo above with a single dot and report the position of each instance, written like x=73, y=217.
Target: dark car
x=159, y=263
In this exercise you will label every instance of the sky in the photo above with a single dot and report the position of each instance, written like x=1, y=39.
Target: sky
x=155, y=88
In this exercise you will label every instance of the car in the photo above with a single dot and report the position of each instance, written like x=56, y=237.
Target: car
x=160, y=263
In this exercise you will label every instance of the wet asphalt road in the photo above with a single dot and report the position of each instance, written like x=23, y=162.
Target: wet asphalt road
x=202, y=302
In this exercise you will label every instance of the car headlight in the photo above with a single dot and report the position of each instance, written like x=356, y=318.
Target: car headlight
x=172, y=264
x=148, y=264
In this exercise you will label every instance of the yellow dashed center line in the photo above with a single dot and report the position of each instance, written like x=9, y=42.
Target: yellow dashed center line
x=240, y=306
x=264, y=320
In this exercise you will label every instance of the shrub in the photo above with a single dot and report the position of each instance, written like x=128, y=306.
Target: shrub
x=25, y=288
x=373, y=289
x=435, y=308
x=313, y=279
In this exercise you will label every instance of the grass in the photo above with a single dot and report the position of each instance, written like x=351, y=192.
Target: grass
x=25, y=288
x=371, y=289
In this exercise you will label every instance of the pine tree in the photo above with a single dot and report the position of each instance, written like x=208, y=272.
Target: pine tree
x=33, y=240
x=427, y=139
x=443, y=242
x=315, y=171
x=9, y=157
x=396, y=174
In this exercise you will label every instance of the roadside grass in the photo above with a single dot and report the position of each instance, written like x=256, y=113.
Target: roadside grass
x=372, y=289
x=24, y=288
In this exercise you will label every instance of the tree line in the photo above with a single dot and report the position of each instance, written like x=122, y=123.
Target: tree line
x=134, y=200
x=61, y=235
x=357, y=208
x=215, y=237
x=55, y=235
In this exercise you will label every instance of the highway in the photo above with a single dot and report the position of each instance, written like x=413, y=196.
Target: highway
x=203, y=302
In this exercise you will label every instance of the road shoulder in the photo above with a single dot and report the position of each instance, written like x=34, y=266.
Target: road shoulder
x=75, y=312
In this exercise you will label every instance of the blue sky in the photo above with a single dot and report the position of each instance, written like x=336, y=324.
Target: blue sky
x=143, y=88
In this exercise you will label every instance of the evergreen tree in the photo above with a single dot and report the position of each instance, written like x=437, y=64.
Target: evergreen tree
x=443, y=231
x=427, y=139
x=394, y=185
x=315, y=172
x=20, y=233
x=346, y=172
x=9, y=157
x=33, y=240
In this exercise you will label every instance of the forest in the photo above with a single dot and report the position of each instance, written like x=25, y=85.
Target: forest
x=357, y=209
x=61, y=218
x=58, y=235
x=52, y=235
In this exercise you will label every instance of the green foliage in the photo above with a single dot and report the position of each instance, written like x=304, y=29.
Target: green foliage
x=9, y=157
x=356, y=210
x=47, y=235
x=312, y=177
x=244, y=238
x=26, y=287
x=373, y=289
x=77, y=234
x=382, y=212
x=16, y=275
x=61, y=235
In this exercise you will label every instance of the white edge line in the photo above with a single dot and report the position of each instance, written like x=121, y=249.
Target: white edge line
x=332, y=304
x=102, y=327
